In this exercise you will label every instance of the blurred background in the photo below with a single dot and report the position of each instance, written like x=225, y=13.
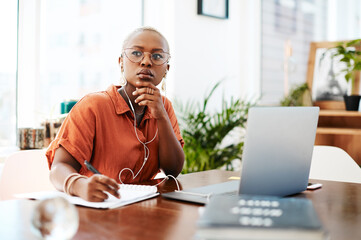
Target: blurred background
x=56, y=50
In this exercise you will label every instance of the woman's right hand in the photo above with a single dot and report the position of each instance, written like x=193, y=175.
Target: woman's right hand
x=93, y=188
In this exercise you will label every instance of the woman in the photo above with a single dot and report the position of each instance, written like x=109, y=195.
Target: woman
x=127, y=133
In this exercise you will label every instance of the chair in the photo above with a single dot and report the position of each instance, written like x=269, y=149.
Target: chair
x=24, y=171
x=333, y=163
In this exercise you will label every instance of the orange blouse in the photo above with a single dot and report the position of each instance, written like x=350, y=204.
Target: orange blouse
x=100, y=129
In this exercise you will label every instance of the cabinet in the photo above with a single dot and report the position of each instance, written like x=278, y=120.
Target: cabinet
x=342, y=129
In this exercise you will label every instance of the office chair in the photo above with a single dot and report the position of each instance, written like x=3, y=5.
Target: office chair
x=24, y=171
x=333, y=163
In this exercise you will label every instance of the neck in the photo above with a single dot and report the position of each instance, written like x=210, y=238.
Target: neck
x=129, y=98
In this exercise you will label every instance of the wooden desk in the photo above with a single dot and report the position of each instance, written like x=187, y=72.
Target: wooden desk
x=342, y=129
x=337, y=204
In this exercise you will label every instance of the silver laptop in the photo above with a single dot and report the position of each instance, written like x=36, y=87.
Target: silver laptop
x=276, y=157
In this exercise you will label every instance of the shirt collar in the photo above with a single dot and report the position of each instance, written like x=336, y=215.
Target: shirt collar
x=119, y=103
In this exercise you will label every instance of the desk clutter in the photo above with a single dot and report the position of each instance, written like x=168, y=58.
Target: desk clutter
x=40, y=137
x=337, y=204
x=31, y=138
x=37, y=138
x=259, y=217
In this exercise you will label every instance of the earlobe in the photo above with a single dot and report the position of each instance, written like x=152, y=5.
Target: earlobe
x=166, y=71
x=120, y=61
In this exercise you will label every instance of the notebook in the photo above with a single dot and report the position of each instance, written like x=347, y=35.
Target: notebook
x=129, y=194
x=276, y=157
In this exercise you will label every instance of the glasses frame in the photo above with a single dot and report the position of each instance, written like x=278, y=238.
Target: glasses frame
x=151, y=59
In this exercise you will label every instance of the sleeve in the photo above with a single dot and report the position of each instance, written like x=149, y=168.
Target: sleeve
x=174, y=121
x=76, y=133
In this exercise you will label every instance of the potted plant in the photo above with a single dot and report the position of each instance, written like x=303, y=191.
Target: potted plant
x=300, y=95
x=349, y=53
x=204, y=133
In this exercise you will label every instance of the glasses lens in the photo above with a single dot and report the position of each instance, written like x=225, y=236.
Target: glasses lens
x=134, y=55
x=160, y=58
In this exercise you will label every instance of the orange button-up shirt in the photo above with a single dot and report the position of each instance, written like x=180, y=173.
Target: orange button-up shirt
x=100, y=129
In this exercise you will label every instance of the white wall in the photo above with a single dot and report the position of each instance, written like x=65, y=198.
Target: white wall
x=206, y=50
x=343, y=26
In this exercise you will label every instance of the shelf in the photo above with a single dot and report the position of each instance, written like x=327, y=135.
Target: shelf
x=342, y=129
x=338, y=131
x=339, y=113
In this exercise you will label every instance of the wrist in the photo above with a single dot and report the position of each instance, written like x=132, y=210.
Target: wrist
x=76, y=187
x=69, y=182
x=163, y=117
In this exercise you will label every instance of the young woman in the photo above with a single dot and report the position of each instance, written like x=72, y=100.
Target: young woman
x=127, y=133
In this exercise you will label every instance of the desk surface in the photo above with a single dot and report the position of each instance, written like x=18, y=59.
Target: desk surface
x=337, y=204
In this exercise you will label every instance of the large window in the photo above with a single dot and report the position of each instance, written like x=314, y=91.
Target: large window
x=8, y=27
x=288, y=27
x=67, y=49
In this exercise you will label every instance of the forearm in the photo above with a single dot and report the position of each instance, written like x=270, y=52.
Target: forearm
x=171, y=155
x=63, y=165
x=59, y=172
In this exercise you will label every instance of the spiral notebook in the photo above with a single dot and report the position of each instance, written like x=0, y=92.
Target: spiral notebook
x=129, y=193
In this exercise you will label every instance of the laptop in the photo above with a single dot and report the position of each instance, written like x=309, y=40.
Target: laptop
x=276, y=156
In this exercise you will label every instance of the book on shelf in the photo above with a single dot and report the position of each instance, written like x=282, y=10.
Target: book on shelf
x=129, y=194
x=259, y=217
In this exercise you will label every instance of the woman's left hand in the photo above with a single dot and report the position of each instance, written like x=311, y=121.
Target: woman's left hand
x=149, y=95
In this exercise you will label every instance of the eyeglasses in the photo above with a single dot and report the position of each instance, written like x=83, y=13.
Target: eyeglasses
x=135, y=56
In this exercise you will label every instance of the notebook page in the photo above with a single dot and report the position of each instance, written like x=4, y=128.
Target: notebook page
x=129, y=194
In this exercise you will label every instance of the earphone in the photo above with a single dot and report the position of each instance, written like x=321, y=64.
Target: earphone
x=146, y=149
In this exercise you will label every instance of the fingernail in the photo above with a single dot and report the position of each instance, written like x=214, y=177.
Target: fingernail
x=134, y=93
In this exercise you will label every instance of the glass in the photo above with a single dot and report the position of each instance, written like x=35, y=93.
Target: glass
x=157, y=58
x=55, y=218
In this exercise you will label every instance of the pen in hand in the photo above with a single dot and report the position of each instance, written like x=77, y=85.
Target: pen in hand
x=90, y=167
x=115, y=187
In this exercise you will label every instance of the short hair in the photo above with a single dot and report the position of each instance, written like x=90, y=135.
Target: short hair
x=143, y=29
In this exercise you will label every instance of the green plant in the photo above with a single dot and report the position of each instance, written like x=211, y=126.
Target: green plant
x=349, y=54
x=299, y=96
x=203, y=133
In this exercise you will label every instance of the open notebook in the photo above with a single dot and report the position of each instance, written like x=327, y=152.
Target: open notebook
x=129, y=194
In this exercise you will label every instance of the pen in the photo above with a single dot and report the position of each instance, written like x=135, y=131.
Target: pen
x=90, y=167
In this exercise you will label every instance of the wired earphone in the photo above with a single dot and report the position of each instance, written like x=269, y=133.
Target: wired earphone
x=146, y=149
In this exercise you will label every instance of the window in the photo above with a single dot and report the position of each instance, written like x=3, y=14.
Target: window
x=67, y=49
x=8, y=29
x=288, y=27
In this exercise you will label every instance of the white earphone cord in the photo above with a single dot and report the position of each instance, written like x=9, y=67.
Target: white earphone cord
x=146, y=149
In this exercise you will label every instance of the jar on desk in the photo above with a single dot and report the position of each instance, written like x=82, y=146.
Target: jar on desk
x=31, y=138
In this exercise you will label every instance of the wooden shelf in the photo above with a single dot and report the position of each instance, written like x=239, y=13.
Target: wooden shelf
x=342, y=129
x=347, y=131
x=339, y=113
